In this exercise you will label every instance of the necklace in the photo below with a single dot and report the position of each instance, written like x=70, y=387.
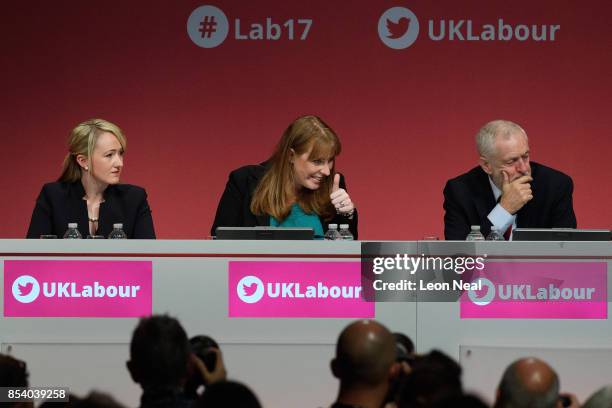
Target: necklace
x=94, y=220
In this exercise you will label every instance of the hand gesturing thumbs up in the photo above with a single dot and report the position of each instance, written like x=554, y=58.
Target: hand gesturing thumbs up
x=340, y=198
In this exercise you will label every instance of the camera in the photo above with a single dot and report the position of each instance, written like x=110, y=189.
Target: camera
x=202, y=346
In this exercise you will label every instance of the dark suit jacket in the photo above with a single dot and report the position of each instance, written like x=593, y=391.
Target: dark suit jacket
x=234, y=206
x=468, y=199
x=60, y=203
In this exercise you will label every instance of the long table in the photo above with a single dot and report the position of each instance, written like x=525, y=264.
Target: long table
x=286, y=360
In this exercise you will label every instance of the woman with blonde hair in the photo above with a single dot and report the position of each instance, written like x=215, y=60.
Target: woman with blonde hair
x=88, y=191
x=297, y=187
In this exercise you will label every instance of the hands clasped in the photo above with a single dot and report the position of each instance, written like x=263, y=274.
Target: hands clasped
x=340, y=198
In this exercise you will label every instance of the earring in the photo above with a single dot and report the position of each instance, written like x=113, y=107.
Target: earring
x=86, y=168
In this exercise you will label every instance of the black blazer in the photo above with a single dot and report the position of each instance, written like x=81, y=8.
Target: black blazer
x=468, y=199
x=60, y=203
x=234, y=206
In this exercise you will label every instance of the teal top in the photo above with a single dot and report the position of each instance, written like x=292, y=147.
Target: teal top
x=298, y=218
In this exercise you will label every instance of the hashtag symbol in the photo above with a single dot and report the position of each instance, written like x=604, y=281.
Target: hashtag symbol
x=208, y=26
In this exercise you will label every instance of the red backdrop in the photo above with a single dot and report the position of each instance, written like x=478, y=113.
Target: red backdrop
x=406, y=117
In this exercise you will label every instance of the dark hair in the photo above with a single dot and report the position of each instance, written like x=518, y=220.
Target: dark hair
x=434, y=377
x=159, y=351
x=96, y=399
x=13, y=373
x=460, y=401
x=228, y=394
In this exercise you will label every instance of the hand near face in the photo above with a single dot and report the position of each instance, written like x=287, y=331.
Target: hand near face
x=340, y=198
x=516, y=193
x=209, y=377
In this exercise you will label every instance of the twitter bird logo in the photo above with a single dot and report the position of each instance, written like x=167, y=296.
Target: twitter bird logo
x=398, y=28
x=250, y=289
x=25, y=289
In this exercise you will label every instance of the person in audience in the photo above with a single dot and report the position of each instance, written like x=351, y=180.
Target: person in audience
x=224, y=394
x=206, y=349
x=365, y=364
x=506, y=190
x=13, y=373
x=404, y=347
x=96, y=399
x=433, y=378
x=161, y=361
x=528, y=382
x=88, y=191
x=600, y=399
x=297, y=187
x=460, y=401
x=159, y=358
x=404, y=356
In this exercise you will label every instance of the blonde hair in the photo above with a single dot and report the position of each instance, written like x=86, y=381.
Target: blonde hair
x=276, y=190
x=83, y=140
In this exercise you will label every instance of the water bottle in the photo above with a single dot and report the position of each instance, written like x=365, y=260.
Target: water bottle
x=73, y=231
x=495, y=235
x=345, y=233
x=475, y=234
x=332, y=233
x=117, y=232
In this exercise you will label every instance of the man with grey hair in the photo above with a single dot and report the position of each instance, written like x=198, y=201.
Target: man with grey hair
x=506, y=190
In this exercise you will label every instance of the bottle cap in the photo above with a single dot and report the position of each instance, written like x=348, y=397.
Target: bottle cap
x=118, y=226
x=475, y=227
x=73, y=225
x=333, y=226
x=344, y=226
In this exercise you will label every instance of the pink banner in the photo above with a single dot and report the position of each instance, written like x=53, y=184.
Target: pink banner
x=77, y=288
x=538, y=290
x=297, y=289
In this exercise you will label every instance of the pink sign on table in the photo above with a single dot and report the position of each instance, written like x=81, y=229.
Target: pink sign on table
x=538, y=290
x=297, y=289
x=53, y=288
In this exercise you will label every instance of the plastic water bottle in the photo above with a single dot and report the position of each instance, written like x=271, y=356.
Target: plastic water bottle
x=475, y=234
x=332, y=233
x=345, y=233
x=117, y=232
x=73, y=231
x=494, y=235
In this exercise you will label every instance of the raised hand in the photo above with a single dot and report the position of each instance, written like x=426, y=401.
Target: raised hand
x=340, y=198
x=209, y=377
